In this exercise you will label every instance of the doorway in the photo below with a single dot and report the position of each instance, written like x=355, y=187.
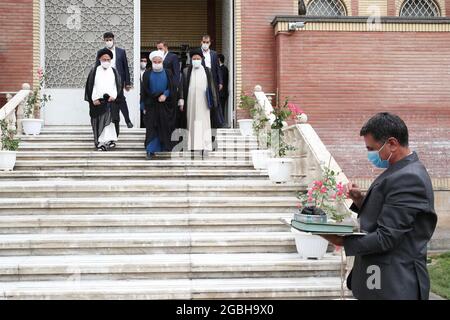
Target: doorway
x=181, y=24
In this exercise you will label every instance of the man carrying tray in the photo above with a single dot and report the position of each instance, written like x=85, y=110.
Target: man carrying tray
x=398, y=215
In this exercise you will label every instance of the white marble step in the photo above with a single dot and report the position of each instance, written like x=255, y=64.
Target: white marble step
x=123, y=138
x=111, y=165
x=184, y=289
x=173, y=173
x=165, y=266
x=227, y=155
x=122, y=204
x=73, y=130
x=144, y=223
x=135, y=186
x=146, y=243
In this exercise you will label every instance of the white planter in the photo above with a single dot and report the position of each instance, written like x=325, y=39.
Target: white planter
x=32, y=127
x=7, y=160
x=259, y=158
x=280, y=169
x=246, y=127
x=310, y=246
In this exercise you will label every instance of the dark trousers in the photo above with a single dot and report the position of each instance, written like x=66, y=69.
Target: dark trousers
x=223, y=104
x=124, y=110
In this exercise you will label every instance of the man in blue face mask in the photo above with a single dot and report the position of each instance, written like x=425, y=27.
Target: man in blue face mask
x=397, y=213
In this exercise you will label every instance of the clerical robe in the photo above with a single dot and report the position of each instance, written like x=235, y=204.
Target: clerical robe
x=160, y=117
x=105, y=117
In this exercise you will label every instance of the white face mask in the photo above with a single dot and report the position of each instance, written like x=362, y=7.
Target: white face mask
x=157, y=67
x=105, y=64
x=109, y=44
x=143, y=65
x=197, y=63
x=205, y=46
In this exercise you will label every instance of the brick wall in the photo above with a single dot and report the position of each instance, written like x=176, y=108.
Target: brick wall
x=16, y=44
x=342, y=78
x=258, y=41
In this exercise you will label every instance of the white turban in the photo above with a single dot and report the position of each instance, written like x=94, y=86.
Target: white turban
x=156, y=54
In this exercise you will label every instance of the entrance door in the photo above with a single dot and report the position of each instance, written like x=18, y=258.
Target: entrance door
x=181, y=24
x=71, y=35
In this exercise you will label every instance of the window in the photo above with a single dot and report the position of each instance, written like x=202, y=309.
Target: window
x=419, y=8
x=329, y=8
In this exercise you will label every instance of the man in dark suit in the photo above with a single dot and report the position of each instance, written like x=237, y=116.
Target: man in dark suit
x=398, y=215
x=120, y=63
x=224, y=93
x=211, y=60
x=171, y=61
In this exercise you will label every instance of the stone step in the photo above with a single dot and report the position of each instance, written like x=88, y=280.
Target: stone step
x=122, y=138
x=30, y=146
x=143, y=223
x=139, y=188
x=179, y=289
x=146, y=243
x=111, y=165
x=118, y=205
x=165, y=266
x=74, y=130
x=173, y=173
x=35, y=155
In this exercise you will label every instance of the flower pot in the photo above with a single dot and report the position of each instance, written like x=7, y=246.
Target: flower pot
x=246, y=127
x=32, y=127
x=7, y=160
x=280, y=169
x=310, y=246
x=302, y=118
x=259, y=158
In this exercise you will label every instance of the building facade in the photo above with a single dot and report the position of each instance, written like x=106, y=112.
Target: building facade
x=345, y=60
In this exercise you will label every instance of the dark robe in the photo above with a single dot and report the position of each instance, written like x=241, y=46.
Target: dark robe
x=160, y=117
x=104, y=114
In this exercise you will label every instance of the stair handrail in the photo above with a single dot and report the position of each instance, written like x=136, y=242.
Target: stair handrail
x=13, y=110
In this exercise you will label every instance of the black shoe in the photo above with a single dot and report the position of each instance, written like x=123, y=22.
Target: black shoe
x=112, y=145
x=130, y=125
x=102, y=149
x=150, y=156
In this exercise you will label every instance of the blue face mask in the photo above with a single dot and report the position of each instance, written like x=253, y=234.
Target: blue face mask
x=374, y=157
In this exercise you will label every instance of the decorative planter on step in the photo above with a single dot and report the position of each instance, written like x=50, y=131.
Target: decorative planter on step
x=246, y=127
x=310, y=246
x=260, y=158
x=32, y=127
x=280, y=169
x=7, y=160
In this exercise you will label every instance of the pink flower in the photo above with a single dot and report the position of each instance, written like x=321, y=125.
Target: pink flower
x=310, y=199
x=299, y=206
x=318, y=183
x=323, y=190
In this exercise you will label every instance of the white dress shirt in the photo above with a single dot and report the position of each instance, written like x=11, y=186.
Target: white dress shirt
x=113, y=60
x=207, y=55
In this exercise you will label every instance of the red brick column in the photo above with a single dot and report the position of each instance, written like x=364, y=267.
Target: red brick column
x=16, y=44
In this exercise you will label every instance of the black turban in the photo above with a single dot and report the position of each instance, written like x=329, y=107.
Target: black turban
x=103, y=52
x=197, y=52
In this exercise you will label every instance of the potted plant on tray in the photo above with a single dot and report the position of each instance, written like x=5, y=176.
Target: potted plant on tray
x=8, y=147
x=322, y=203
x=36, y=101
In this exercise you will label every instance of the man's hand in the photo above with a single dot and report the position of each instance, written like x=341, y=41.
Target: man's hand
x=162, y=98
x=128, y=88
x=334, y=239
x=220, y=87
x=353, y=192
x=97, y=103
x=181, y=104
x=111, y=99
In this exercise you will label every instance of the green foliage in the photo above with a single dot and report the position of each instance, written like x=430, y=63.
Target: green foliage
x=8, y=143
x=277, y=136
x=440, y=275
x=325, y=194
x=248, y=102
x=36, y=98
